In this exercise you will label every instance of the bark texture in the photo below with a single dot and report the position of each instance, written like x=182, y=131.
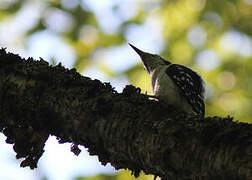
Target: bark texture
x=125, y=129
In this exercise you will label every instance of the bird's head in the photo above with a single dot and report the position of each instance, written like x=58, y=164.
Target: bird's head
x=150, y=61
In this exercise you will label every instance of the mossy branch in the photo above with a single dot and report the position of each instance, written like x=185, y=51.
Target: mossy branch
x=125, y=129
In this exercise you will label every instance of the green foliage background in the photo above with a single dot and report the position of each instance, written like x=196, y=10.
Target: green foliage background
x=121, y=175
x=228, y=84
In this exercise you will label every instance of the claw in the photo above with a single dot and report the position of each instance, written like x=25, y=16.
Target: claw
x=151, y=96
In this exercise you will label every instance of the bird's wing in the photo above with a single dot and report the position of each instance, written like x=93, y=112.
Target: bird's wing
x=191, y=86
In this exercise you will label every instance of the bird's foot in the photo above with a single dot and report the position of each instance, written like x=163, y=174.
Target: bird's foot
x=151, y=96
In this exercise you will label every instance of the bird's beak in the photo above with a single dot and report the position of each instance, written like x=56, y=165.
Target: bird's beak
x=144, y=57
x=139, y=52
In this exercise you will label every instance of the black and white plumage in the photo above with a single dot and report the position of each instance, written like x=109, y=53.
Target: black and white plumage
x=191, y=86
x=174, y=84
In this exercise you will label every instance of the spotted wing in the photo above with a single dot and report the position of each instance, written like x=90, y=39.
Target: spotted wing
x=190, y=85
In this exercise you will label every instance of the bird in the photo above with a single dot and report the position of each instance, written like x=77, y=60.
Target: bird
x=174, y=84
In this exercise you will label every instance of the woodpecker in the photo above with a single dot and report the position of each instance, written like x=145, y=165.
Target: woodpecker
x=174, y=84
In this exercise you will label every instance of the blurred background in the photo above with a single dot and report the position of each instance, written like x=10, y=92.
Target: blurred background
x=212, y=37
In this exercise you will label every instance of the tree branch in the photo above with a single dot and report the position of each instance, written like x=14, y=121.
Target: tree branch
x=125, y=129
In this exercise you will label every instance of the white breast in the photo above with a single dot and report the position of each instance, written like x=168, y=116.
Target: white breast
x=164, y=88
